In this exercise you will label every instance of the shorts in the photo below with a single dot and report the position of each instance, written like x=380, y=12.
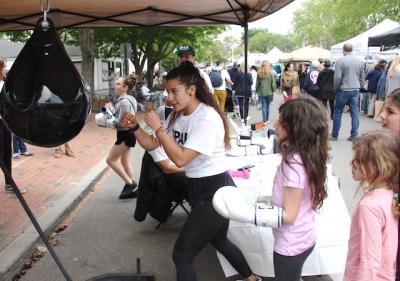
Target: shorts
x=127, y=137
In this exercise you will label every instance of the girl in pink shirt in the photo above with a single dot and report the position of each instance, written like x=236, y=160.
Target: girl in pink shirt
x=299, y=186
x=374, y=238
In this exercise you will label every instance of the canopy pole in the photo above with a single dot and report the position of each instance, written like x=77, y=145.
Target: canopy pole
x=246, y=41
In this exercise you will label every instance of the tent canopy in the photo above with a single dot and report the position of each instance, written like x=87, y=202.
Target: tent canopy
x=23, y=14
x=387, y=40
x=307, y=54
x=274, y=55
x=360, y=42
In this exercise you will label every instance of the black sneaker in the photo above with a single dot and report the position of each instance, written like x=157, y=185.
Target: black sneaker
x=129, y=191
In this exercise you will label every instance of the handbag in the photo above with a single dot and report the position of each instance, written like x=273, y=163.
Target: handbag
x=378, y=110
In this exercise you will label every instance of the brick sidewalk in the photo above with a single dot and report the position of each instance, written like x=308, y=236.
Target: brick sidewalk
x=47, y=179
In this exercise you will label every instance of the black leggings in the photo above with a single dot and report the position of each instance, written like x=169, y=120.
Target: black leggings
x=289, y=268
x=204, y=225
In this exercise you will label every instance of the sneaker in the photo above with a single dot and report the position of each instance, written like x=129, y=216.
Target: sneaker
x=8, y=188
x=248, y=117
x=15, y=156
x=351, y=138
x=333, y=138
x=26, y=153
x=57, y=153
x=129, y=191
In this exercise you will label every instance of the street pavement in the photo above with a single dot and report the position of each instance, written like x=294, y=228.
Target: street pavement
x=81, y=195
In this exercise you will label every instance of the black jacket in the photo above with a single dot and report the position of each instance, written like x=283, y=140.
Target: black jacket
x=157, y=191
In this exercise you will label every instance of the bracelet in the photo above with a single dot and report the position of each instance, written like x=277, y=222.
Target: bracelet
x=159, y=128
x=136, y=127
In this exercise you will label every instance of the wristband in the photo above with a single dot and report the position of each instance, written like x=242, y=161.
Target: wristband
x=136, y=127
x=158, y=130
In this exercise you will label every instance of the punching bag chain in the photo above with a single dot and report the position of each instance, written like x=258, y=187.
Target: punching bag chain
x=45, y=24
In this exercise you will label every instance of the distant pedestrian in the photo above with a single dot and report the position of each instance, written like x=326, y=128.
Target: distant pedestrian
x=19, y=148
x=290, y=80
x=254, y=96
x=325, y=84
x=348, y=79
x=220, y=92
x=265, y=87
x=242, y=88
x=111, y=85
x=310, y=82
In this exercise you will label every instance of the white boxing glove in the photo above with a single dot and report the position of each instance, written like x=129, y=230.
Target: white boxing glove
x=229, y=202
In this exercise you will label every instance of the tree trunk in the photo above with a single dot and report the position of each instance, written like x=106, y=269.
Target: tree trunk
x=86, y=39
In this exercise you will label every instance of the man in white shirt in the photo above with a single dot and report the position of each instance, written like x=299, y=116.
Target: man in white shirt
x=220, y=91
x=187, y=53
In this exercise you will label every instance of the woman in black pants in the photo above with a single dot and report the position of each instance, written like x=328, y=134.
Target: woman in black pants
x=195, y=137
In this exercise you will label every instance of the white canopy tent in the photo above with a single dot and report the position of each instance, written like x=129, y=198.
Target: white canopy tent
x=360, y=42
x=274, y=55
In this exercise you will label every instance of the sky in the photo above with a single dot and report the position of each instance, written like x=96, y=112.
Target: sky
x=279, y=22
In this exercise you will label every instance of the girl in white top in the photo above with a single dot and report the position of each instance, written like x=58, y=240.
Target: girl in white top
x=195, y=137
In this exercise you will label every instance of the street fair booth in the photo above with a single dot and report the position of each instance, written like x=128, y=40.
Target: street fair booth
x=44, y=99
x=386, y=41
x=360, y=42
x=307, y=54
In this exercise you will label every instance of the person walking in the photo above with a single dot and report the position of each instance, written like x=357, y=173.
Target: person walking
x=220, y=92
x=195, y=137
x=243, y=92
x=265, y=88
x=325, y=84
x=118, y=157
x=111, y=85
x=348, y=78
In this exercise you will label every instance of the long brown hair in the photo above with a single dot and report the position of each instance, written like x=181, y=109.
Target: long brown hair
x=189, y=75
x=306, y=124
x=376, y=155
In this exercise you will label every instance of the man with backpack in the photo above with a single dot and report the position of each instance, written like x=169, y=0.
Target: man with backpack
x=219, y=77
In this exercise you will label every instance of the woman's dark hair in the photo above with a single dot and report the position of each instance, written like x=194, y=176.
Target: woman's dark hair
x=189, y=75
x=306, y=124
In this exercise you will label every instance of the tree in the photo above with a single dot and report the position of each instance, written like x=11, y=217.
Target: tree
x=326, y=22
x=260, y=40
x=154, y=43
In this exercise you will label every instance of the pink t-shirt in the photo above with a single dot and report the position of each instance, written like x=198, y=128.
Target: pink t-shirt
x=373, y=239
x=296, y=238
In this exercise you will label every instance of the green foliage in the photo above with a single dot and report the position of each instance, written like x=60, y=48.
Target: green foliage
x=260, y=40
x=326, y=22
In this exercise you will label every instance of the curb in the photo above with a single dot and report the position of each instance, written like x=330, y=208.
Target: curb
x=12, y=257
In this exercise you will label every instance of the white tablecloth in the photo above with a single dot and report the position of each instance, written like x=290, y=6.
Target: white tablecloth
x=256, y=243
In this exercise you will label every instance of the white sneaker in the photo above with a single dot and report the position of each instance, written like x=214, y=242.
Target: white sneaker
x=242, y=121
x=248, y=117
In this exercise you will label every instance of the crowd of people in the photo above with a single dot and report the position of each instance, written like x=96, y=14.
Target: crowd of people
x=193, y=139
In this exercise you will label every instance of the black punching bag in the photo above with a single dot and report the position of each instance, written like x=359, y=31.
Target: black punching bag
x=45, y=101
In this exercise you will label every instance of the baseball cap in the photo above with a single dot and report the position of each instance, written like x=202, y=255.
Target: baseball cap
x=185, y=49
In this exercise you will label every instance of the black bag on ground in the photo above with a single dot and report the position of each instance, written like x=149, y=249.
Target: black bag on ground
x=45, y=101
x=216, y=78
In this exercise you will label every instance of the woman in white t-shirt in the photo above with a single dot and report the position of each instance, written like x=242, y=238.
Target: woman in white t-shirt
x=195, y=137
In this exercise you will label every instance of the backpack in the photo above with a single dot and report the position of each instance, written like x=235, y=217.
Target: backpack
x=216, y=78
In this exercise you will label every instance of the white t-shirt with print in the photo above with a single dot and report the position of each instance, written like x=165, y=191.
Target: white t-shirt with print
x=202, y=131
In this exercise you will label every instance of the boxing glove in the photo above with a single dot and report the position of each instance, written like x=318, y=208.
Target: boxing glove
x=229, y=202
